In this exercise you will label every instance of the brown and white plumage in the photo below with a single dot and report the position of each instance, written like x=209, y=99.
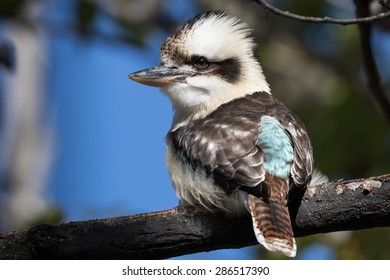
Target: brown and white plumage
x=232, y=145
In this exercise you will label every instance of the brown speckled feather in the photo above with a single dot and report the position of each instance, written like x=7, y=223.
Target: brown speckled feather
x=271, y=218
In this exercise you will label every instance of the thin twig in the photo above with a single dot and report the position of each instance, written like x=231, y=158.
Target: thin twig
x=364, y=20
x=372, y=73
x=279, y=12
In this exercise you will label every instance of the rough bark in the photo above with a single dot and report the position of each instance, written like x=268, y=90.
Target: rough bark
x=334, y=206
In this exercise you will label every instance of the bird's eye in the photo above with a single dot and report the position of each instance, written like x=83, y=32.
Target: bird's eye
x=201, y=63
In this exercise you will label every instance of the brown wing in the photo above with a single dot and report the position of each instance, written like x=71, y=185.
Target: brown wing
x=224, y=142
x=226, y=147
x=302, y=167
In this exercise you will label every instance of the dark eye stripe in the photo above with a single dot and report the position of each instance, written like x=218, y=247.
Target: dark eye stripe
x=228, y=69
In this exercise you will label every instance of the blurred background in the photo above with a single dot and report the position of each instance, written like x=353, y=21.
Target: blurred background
x=79, y=140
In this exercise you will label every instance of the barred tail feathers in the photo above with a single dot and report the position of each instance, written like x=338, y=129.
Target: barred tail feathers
x=271, y=218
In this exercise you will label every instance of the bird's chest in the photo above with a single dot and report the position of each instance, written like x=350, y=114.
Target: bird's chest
x=194, y=186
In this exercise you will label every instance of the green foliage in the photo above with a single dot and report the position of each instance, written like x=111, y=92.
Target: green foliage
x=369, y=244
x=52, y=216
x=86, y=14
x=11, y=9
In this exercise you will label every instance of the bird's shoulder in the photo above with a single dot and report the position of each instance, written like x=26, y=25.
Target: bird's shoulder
x=242, y=115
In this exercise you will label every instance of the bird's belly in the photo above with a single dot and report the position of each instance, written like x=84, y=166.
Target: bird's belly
x=195, y=187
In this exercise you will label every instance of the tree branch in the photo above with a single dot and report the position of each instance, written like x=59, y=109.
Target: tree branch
x=372, y=73
x=334, y=206
x=287, y=14
x=364, y=20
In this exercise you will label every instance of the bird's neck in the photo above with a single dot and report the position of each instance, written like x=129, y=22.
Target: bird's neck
x=203, y=102
x=183, y=115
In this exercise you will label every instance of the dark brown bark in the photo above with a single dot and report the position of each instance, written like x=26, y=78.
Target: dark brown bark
x=334, y=206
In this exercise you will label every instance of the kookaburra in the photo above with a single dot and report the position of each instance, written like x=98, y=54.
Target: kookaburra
x=232, y=145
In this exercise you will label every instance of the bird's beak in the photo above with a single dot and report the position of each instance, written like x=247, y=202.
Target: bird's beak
x=160, y=76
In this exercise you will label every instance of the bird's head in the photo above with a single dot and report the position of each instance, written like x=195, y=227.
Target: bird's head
x=208, y=61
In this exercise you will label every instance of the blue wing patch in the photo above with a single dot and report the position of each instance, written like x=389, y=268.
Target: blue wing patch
x=276, y=145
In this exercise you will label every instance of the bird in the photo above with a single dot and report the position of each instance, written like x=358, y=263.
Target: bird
x=232, y=146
